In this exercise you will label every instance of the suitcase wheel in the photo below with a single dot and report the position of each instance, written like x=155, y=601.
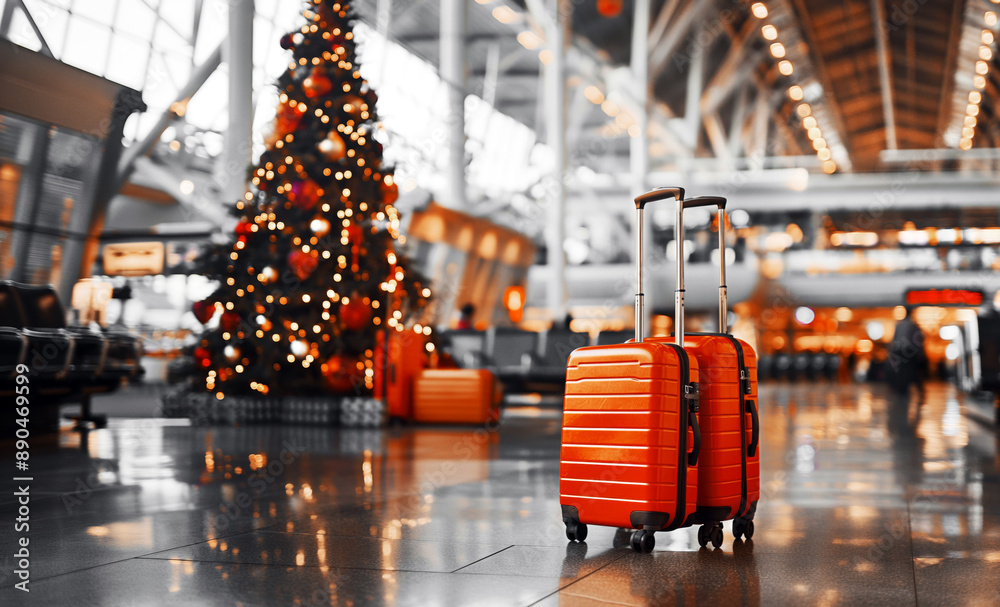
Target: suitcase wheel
x=643, y=541
x=711, y=532
x=576, y=531
x=742, y=527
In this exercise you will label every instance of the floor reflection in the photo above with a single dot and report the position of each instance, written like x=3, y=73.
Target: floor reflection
x=866, y=498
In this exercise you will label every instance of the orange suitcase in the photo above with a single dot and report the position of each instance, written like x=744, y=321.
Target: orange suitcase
x=630, y=438
x=455, y=396
x=395, y=368
x=729, y=470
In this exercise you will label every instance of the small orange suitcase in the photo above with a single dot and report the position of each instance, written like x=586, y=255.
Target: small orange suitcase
x=395, y=368
x=455, y=396
x=630, y=438
x=729, y=470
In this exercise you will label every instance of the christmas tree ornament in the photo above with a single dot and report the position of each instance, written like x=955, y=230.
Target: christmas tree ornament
x=204, y=356
x=352, y=104
x=355, y=314
x=333, y=147
x=316, y=83
x=243, y=228
x=303, y=264
x=339, y=373
x=288, y=118
x=610, y=8
x=287, y=43
x=229, y=321
x=203, y=310
x=305, y=194
x=390, y=191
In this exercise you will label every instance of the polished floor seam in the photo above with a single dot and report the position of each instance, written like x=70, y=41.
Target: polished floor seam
x=582, y=577
x=482, y=559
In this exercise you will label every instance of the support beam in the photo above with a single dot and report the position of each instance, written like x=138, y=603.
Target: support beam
x=230, y=173
x=34, y=27
x=762, y=118
x=177, y=108
x=692, y=105
x=884, y=73
x=639, y=143
x=663, y=20
x=678, y=30
x=736, y=146
x=557, y=35
x=735, y=70
x=452, y=71
x=717, y=138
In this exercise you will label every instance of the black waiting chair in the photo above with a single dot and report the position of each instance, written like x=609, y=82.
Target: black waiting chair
x=511, y=354
x=607, y=338
x=467, y=347
x=49, y=353
x=106, y=354
x=550, y=367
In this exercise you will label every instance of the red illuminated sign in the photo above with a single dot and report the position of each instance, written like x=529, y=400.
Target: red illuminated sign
x=944, y=297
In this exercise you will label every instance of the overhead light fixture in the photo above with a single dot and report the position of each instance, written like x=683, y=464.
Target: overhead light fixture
x=803, y=109
x=982, y=68
x=970, y=121
x=972, y=109
x=785, y=67
x=985, y=53
x=593, y=95
x=823, y=154
x=965, y=144
x=759, y=10
x=975, y=97
x=795, y=92
x=814, y=133
x=987, y=36
x=778, y=50
x=819, y=143
x=529, y=40
x=979, y=81
x=770, y=32
x=809, y=122
x=990, y=17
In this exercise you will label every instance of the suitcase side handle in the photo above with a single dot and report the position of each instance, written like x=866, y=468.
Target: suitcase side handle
x=696, y=430
x=755, y=428
x=640, y=202
x=691, y=203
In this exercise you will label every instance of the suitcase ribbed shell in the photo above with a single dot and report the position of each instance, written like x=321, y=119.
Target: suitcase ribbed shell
x=622, y=421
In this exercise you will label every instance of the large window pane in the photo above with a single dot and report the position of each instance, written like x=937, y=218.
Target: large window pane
x=100, y=11
x=51, y=20
x=87, y=46
x=136, y=18
x=127, y=62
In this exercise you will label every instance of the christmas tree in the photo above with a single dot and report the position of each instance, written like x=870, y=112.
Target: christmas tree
x=312, y=273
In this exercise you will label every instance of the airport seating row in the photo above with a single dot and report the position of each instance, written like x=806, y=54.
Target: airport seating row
x=802, y=366
x=62, y=363
x=524, y=361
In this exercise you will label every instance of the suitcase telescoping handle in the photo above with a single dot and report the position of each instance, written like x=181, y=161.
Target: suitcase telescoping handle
x=691, y=203
x=640, y=202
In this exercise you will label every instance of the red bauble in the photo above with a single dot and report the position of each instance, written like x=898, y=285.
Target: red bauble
x=289, y=116
x=229, y=321
x=305, y=194
x=203, y=310
x=354, y=234
x=243, y=228
x=316, y=83
x=303, y=264
x=286, y=42
x=610, y=8
x=203, y=356
x=355, y=314
x=333, y=147
x=390, y=192
x=339, y=372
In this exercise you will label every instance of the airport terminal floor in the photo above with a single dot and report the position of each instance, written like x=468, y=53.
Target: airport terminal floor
x=864, y=500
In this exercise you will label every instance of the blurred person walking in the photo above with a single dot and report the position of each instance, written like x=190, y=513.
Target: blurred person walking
x=465, y=320
x=907, y=361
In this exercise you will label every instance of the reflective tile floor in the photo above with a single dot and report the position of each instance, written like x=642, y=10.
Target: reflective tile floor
x=864, y=501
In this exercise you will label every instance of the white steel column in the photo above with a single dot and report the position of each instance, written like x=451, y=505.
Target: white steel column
x=639, y=142
x=560, y=19
x=452, y=71
x=238, y=54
